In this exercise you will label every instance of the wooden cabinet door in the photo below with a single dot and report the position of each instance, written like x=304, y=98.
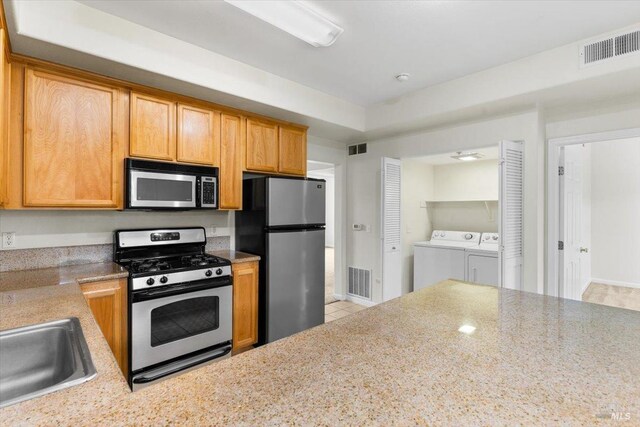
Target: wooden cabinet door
x=5, y=74
x=245, y=304
x=198, y=135
x=230, y=182
x=293, y=151
x=152, y=127
x=73, y=139
x=262, y=146
x=108, y=302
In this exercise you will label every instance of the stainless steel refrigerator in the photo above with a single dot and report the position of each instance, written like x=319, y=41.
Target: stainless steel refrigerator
x=283, y=221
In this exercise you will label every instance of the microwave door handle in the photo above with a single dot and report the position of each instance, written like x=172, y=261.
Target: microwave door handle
x=180, y=365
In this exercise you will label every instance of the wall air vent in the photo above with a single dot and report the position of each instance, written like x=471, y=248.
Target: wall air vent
x=357, y=149
x=612, y=47
x=359, y=282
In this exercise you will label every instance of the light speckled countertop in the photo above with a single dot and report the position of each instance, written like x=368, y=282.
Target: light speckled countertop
x=236, y=257
x=532, y=360
x=42, y=277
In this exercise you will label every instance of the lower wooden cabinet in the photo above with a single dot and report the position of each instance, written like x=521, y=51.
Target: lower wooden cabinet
x=245, y=305
x=108, y=302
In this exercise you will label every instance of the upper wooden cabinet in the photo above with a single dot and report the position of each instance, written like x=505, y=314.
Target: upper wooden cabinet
x=231, y=133
x=262, y=146
x=275, y=149
x=73, y=142
x=198, y=135
x=152, y=127
x=293, y=150
x=108, y=302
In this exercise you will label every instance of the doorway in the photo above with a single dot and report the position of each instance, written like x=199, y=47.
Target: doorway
x=475, y=195
x=594, y=204
x=326, y=171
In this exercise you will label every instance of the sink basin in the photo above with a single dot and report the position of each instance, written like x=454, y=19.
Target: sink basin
x=43, y=358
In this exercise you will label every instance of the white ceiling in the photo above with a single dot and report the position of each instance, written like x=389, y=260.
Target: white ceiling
x=434, y=41
x=489, y=153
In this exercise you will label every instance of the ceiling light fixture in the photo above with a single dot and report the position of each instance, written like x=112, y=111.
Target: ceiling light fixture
x=293, y=17
x=466, y=157
x=403, y=77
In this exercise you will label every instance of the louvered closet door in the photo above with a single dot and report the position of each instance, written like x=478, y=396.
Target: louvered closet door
x=511, y=216
x=390, y=233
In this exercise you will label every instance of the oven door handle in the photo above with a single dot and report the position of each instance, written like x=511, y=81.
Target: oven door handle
x=177, y=289
x=181, y=365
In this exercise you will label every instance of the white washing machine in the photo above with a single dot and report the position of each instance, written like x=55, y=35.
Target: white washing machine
x=442, y=257
x=482, y=261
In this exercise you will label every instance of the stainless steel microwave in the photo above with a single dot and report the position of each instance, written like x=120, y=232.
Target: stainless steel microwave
x=166, y=186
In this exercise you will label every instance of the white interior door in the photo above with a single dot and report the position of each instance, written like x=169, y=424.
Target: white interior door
x=390, y=232
x=511, y=214
x=574, y=259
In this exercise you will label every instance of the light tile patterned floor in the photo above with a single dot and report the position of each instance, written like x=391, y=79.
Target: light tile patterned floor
x=615, y=296
x=339, y=309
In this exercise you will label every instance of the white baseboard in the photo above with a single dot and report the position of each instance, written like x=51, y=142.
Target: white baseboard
x=616, y=283
x=585, y=286
x=360, y=301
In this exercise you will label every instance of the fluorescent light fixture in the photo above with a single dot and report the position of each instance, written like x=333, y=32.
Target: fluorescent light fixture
x=467, y=329
x=293, y=17
x=466, y=157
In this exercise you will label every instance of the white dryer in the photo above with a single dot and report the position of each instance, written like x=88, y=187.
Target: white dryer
x=482, y=261
x=442, y=257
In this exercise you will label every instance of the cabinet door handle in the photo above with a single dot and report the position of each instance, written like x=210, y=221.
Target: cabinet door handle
x=475, y=274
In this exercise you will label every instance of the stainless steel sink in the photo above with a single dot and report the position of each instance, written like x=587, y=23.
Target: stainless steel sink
x=42, y=358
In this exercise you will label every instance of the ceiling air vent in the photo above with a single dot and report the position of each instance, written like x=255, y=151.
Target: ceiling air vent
x=628, y=43
x=357, y=149
x=612, y=47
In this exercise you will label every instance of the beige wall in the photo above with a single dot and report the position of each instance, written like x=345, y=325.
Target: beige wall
x=417, y=187
x=478, y=180
x=615, y=212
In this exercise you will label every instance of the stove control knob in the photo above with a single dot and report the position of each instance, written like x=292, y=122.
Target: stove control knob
x=208, y=273
x=495, y=237
x=219, y=271
x=164, y=279
x=150, y=281
x=468, y=236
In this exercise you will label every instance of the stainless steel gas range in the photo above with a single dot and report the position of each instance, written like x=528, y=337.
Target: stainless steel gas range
x=180, y=302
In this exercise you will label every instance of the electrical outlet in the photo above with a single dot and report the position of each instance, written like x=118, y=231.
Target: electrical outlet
x=9, y=239
x=212, y=231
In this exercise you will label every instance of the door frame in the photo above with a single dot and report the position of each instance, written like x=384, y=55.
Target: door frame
x=553, y=195
x=339, y=225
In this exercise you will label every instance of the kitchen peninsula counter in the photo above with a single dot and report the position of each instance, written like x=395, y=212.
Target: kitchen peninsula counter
x=531, y=360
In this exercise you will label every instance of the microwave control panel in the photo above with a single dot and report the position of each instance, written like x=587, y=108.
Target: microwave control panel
x=208, y=189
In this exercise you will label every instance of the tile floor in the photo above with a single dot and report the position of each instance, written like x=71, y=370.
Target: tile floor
x=614, y=296
x=339, y=309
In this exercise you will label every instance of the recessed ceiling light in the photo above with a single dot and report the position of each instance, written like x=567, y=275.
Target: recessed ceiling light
x=293, y=17
x=403, y=77
x=466, y=157
x=467, y=329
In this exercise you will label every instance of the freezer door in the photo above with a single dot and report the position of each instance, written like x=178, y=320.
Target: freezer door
x=295, y=202
x=295, y=282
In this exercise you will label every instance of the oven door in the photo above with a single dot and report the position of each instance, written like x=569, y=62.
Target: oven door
x=161, y=190
x=169, y=323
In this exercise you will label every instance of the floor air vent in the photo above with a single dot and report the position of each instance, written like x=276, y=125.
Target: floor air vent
x=612, y=47
x=359, y=282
